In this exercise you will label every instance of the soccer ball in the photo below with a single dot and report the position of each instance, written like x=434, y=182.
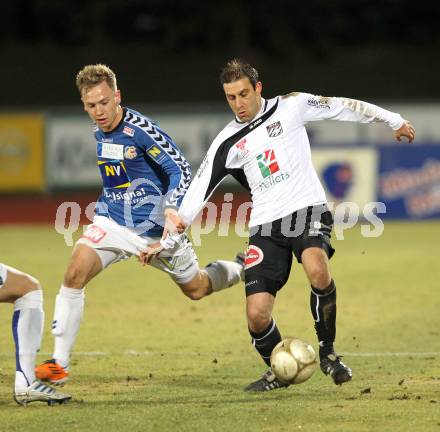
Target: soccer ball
x=293, y=361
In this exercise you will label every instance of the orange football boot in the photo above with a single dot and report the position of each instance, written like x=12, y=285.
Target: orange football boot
x=50, y=371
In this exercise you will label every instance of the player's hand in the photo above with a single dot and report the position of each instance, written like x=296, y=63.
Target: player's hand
x=151, y=251
x=173, y=225
x=406, y=130
x=173, y=222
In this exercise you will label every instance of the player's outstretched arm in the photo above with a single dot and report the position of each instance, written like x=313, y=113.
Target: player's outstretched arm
x=314, y=108
x=174, y=226
x=406, y=130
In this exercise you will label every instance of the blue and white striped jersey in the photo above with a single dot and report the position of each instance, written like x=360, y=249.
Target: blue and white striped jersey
x=143, y=172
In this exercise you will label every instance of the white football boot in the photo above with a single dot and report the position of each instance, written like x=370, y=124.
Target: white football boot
x=40, y=392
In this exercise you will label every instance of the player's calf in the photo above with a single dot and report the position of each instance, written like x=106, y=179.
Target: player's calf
x=216, y=276
x=224, y=274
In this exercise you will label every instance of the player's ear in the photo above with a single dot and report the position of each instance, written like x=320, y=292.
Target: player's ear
x=259, y=87
x=118, y=96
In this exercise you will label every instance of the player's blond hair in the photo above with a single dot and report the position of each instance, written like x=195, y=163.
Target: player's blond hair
x=92, y=75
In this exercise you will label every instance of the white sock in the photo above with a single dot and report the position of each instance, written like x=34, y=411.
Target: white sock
x=69, y=307
x=27, y=328
x=223, y=274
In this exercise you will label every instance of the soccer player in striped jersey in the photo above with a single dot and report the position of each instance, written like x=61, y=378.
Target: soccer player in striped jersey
x=145, y=177
x=266, y=148
x=24, y=291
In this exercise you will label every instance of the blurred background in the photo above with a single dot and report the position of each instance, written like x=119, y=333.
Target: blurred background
x=167, y=56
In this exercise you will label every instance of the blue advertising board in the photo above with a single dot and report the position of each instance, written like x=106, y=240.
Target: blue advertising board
x=409, y=181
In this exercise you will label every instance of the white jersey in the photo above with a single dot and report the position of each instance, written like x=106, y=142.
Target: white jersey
x=271, y=157
x=3, y=274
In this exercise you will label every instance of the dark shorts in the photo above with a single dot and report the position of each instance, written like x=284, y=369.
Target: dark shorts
x=269, y=254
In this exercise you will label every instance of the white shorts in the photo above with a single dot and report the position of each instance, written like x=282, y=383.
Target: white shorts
x=114, y=242
x=3, y=274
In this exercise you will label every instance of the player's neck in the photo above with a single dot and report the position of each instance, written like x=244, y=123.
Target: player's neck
x=260, y=109
x=117, y=120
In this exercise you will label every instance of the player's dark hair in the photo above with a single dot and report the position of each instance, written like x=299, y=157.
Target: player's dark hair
x=236, y=69
x=92, y=75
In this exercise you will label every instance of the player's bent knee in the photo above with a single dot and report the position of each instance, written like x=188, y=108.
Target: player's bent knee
x=193, y=290
x=318, y=274
x=258, y=319
x=75, y=277
x=194, y=295
x=197, y=288
x=320, y=279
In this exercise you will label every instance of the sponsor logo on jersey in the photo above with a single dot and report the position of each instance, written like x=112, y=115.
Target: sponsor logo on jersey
x=128, y=131
x=154, y=151
x=273, y=180
x=130, y=152
x=111, y=151
x=241, y=146
x=255, y=123
x=267, y=162
x=94, y=233
x=113, y=174
x=157, y=153
x=132, y=197
x=319, y=102
x=274, y=129
x=254, y=256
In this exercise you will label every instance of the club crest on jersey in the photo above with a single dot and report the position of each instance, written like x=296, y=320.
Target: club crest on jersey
x=254, y=256
x=128, y=131
x=274, y=129
x=130, y=152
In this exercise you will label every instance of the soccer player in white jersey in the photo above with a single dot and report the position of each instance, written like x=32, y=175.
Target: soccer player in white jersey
x=24, y=291
x=266, y=148
x=144, y=180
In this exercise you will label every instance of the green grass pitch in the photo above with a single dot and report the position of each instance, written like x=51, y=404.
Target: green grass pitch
x=147, y=358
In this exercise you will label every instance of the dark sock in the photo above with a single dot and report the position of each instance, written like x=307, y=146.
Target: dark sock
x=323, y=307
x=265, y=341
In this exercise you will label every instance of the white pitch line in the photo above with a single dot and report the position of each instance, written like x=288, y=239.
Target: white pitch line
x=205, y=353
x=392, y=354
